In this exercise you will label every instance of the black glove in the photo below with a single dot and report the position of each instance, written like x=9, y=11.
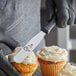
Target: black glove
x=62, y=11
x=50, y=12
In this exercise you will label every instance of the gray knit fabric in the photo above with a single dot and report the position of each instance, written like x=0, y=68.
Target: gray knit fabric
x=2, y=73
x=21, y=20
x=7, y=67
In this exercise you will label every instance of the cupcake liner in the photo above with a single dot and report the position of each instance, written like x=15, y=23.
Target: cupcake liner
x=50, y=68
x=25, y=69
x=26, y=74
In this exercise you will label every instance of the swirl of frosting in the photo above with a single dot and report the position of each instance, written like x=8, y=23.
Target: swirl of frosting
x=53, y=54
x=68, y=70
x=29, y=59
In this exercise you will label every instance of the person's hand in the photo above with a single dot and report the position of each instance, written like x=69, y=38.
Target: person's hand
x=61, y=11
x=6, y=69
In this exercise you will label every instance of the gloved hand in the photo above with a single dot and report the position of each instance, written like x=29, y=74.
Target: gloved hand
x=62, y=12
x=7, y=44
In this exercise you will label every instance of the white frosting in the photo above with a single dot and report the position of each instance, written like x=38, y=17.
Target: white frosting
x=68, y=70
x=29, y=59
x=53, y=53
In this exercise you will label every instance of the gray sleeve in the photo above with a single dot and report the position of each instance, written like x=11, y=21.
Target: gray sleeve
x=2, y=73
x=5, y=49
x=5, y=64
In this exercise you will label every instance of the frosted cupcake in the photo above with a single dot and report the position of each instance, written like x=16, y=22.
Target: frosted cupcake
x=27, y=66
x=52, y=59
x=68, y=70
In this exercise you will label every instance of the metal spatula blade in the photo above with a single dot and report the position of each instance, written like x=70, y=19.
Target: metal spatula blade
x=20, y=56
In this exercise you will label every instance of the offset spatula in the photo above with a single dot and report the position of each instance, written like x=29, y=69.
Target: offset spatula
x=33, y=43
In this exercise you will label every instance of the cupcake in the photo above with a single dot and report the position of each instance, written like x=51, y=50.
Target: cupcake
x=52, y=59
x=27, y=66
x=68, y=70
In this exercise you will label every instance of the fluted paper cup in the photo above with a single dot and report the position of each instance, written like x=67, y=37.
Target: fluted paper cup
x=50, y=68
x=25, y=69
